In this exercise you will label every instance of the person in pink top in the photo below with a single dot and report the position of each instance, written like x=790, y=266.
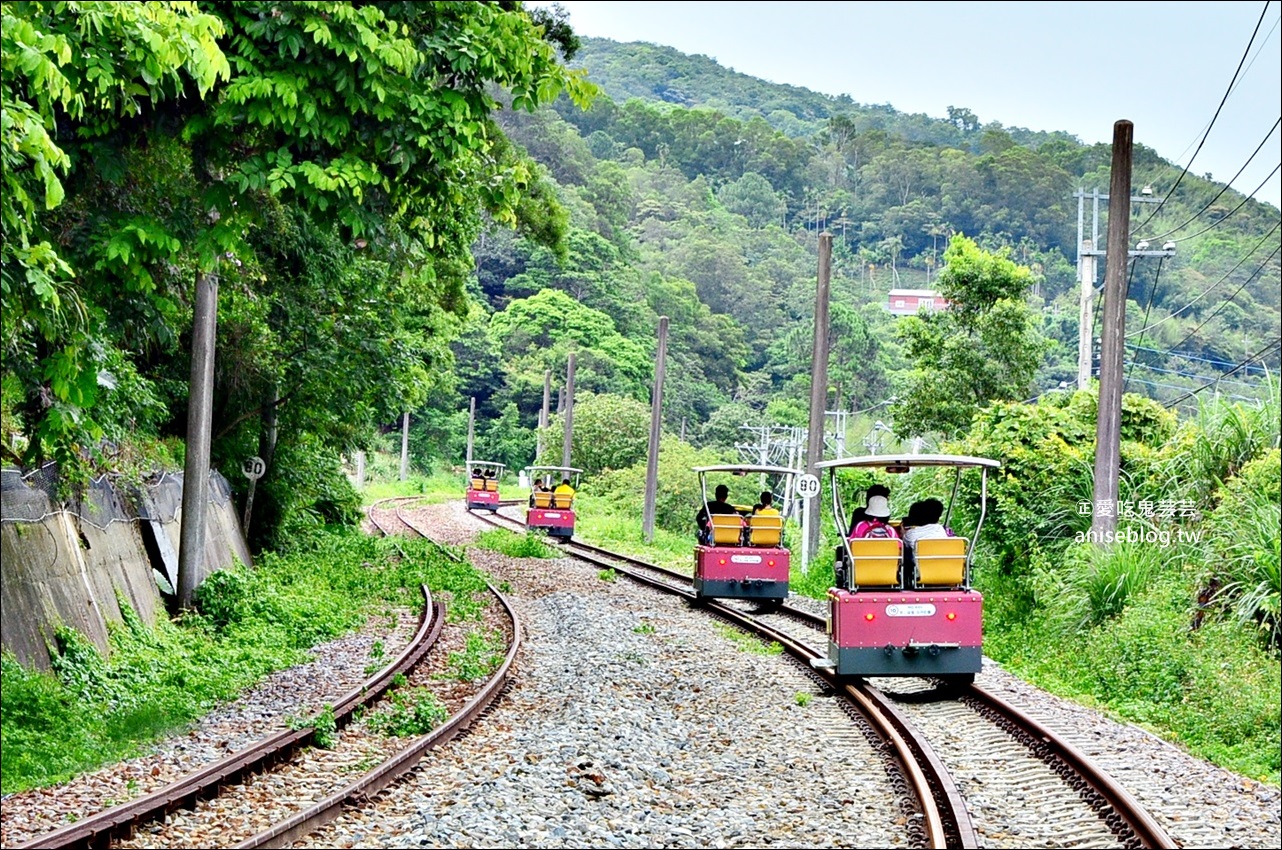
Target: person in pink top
x=876, y=520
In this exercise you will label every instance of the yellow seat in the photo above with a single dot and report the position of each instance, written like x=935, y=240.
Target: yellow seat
x=542, y=499
x=492, y=484
x=478, y=483
x=563, y=501
x=727, y=529
x=875, y=560
x=941, y=562
x=765, y=530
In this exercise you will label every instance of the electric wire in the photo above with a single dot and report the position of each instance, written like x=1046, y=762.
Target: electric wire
x=1152, y=290
x=1275, y=344
x=1230, y=213
x=1209, y=127
x=1263, y=43
x=1184, y=355
x=1210, y=288
x=1226, y=301
x=1223, y=189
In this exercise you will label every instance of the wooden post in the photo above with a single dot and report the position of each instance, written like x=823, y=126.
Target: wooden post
x=656, y=424
x=471, y=431
x=543, y=414
x=405, y=445
x=569, y=411
x=1108, y=418
x=200, y=406
x=818, y=395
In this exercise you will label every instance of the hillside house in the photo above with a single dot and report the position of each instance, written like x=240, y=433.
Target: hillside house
x=906, y=302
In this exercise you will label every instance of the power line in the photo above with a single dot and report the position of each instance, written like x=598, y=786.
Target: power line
x=1182, y=354
x=1230, y=213
x=1193, y=375
x=1225, y=188
x=1152, y=290
x=1210, y=288
x=1207, y=134
x=1226, y=301
x=1276, y=344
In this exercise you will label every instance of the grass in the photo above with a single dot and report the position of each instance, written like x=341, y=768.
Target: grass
x=93, y=711
x=749, y=643
x=528, y=545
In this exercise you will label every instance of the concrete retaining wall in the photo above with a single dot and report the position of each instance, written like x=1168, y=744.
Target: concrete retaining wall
x=75, y=565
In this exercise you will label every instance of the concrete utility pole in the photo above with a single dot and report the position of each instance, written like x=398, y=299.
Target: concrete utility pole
x=1085, y=317
x=200, y=414
x=656, y=425
x=405, y=445
x=471, y=431
x=818, y=395
x=569, y=411
x=1108, y=421
x=1087, y=260
x=543, y=414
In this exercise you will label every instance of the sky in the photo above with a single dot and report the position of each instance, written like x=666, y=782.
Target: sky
x=1077, y=67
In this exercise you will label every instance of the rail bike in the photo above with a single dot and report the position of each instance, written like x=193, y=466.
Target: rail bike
x=483, y=485
x=741, y=553
x=551, y=503
x=903, y=605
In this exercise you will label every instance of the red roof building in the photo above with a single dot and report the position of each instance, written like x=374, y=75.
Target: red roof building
x=907, y=302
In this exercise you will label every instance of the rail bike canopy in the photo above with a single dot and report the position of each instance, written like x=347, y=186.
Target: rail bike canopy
x=902, y=463
x=778, y=473
x=488, y=468
x=553, y=473
x=906, y=463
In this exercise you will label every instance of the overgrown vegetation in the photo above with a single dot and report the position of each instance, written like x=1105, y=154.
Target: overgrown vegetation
x=527, y=545
x=410, y=711
x=91, y=711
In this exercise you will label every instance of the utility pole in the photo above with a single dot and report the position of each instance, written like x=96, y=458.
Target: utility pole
x=471, y=431
x=569, y=411
x=818, y=396
x=1108, y=420
x=1087, y=257
x=543, y=414
x=405, y=445
x=200, y=413
x=656, y=424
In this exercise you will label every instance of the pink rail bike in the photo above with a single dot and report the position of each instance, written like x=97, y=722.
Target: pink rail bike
x=906, y=609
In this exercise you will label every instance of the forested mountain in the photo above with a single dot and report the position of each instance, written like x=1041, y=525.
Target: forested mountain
x=362, y=277
x=698, y=192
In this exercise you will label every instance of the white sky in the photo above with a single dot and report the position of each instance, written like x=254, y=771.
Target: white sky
x=1077, y=67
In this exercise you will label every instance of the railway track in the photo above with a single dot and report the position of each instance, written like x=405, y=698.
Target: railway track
x=963, y=800
x=283, y=786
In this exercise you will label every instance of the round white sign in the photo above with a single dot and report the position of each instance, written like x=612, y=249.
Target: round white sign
x=808, y=486
x=253, y=468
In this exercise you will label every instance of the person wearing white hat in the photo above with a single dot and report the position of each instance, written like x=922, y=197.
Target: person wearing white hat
x=876, y=522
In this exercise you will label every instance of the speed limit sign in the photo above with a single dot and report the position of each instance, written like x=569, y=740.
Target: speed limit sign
x=808, y=486
x=253, y=468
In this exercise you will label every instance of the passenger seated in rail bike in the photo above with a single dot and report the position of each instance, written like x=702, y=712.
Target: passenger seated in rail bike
x=876, y=521
x=765, y=507
x=719, y=505
x=922, y=522
x=563, y=494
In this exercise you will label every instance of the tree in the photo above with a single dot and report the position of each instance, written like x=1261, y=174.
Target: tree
x=985, y=347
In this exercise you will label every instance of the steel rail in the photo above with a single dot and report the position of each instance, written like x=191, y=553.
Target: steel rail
x=947, y=822
x=369, y=786
x=100, y=829
x=1130, y=815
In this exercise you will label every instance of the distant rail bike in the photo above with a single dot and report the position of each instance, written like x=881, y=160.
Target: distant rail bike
x=483, y=485
x=551, y=503
x=903, y=605
x=741, y=553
